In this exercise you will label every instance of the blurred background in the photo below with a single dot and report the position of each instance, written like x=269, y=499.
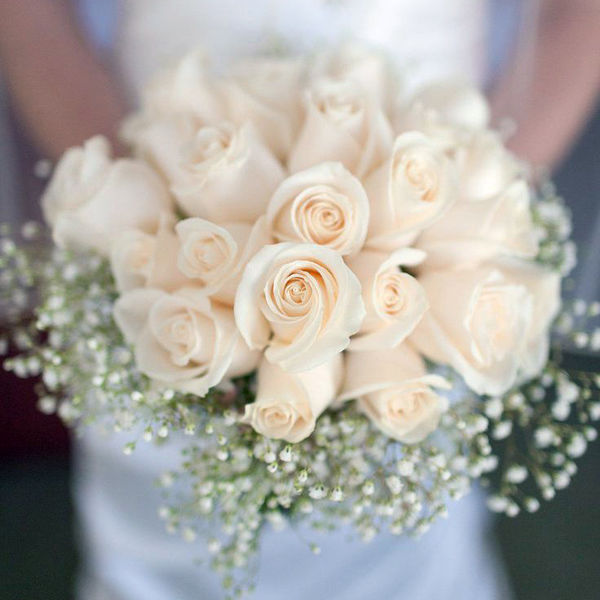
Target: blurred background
x=550, y=555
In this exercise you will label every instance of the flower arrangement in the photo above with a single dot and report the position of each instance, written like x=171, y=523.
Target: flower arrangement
x=342, y=294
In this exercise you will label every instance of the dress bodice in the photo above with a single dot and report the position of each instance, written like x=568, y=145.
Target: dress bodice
x=426, y=38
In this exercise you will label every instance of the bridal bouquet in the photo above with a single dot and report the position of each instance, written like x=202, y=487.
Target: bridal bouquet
x=342, y=293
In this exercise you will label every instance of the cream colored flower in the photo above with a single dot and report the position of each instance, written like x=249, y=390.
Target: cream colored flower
x=473, y=232
x=140, y=259
x=160, y=140
x=446, y=110
x=395, y=301
x=409, y=192
x=185, y=88
x=216, y=255
x=266, y=92
x=343, y=124
x=544, y=287
x=181, y=339
x=301, y=301
x=287, y=405
x=368, y=67
x=225, y=175
x=477, y=322
x=91, y=198
x=394, y=390
x=323, y=205
x=486, y=168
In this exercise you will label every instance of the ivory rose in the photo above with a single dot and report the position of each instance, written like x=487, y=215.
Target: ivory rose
x=161, y=141
x=544, y=288
x=443, y=109
x=395, y=301
x=477, y=322
x=185, y=88
x=91, y=198
x=301, y=301
x=343, y=124
x=486, y=167
x=366, y=66
x=140, y=259
x=216, y=255
x=287, y=405
x=323, y=205
x=266, y=92
x=473, y=232
x=225, y=175
x=182, y=339
x=394, y=390
x=175, y=103
x=409, y=192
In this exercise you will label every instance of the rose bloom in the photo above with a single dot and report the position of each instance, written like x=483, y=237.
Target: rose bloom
x=139, y=259
x=367, y=67
x=186, y=88
x=409, y=192
x=486, y=167
x=91, y=198
x=478, y=322
x=174, y=104
x=225, y=174
x=182, y=339
x=544, y=287
x=394, y=390
x=323, y=205
x=473, y=232
x=301, y=301
x=395, y=301
x=266, y=92
x=215, y=255
x=287, y=405
x=343, y=124
x=445, y=110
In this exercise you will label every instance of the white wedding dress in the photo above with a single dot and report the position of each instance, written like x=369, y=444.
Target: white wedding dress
x=127, y=554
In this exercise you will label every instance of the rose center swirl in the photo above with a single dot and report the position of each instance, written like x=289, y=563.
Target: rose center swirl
x=323, y=215
x=421, y=175
x=300, y=290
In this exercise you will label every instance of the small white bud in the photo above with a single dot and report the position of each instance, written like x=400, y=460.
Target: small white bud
x=394, y=484
x=493, y=408
x=544, y=436
x=502, y=430
x=561, y=410
x=561, y=480
x=405, y=468
x=548, y=493
x=577, y=446
x=497, y=504
x=336, y=495
x=532, y=505
x=516, y=474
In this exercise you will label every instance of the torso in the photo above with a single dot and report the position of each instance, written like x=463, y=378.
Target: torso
x=447, y=38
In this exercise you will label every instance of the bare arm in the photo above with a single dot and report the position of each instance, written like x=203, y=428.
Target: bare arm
x=564, y=80
x=62, y=93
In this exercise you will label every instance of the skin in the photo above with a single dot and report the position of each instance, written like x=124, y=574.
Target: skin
x=54, y=78
x=562, y=75
x=553, y=91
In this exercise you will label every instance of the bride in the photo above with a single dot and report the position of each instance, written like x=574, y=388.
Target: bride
x=128, y=555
